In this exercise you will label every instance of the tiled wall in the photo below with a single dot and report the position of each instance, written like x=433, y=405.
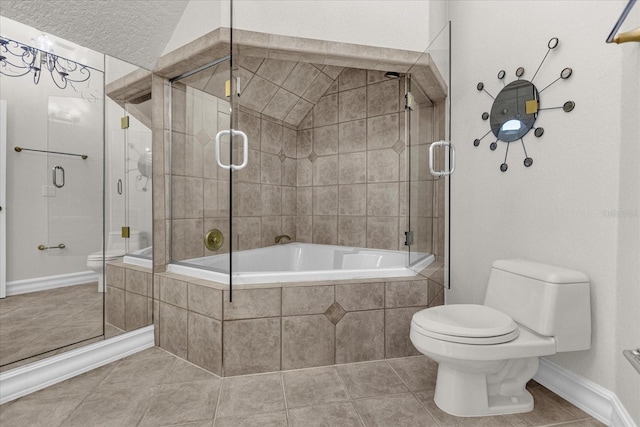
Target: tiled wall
x=129, y=298
x=293, y=326
x=352, y=184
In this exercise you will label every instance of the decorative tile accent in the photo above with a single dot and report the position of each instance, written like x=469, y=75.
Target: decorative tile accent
x=335, y=312
x=282, y=156
x=399, y=146
x=312, y=157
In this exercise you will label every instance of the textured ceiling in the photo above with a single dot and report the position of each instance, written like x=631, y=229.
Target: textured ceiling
x=134, y=31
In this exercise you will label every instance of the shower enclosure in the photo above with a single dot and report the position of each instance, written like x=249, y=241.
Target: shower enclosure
x=334, y=155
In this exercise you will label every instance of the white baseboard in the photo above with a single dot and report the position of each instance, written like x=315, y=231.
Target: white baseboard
x=50, y=282
x=595, y=400
x=44, y=373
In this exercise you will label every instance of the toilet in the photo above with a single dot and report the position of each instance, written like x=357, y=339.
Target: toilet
x=115, y=251
x=487, y=353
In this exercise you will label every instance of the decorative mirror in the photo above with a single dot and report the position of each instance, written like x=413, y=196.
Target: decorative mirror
x=516, y=108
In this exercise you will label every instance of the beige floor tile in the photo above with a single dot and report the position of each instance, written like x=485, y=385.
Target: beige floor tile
x=370, y=379
x=331, y=414
x=36, y=411
x=419, y=373
x=251, y=395
x=397, y=410
x=313, y=387
x=265, y=420
x=189, y=401
x=446, y=420
x=138, y=372
x=544, y=412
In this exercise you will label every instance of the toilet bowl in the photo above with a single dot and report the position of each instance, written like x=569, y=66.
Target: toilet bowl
x=116, y=250
x=487, y=353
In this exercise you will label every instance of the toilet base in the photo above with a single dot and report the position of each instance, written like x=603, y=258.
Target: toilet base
x=499, y=390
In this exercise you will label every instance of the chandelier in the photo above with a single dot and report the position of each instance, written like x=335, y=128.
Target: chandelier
x=18, y=59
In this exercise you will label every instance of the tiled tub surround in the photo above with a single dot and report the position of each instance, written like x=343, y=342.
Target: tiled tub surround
x=273, y=327
x=129, y=298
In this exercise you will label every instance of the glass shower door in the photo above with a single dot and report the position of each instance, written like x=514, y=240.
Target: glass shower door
x=426, y=121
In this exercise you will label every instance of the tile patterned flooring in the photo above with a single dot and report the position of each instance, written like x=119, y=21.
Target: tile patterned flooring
x=155, y=388
x=38, y=322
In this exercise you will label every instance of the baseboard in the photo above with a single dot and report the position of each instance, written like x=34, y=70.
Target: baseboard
x=18, y=287
x=44, y=373
x=595, y=400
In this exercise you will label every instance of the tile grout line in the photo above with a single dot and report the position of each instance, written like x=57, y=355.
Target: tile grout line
x=351, y=399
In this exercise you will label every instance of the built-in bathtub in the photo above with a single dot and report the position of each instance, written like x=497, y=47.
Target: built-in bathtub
x=141, y=258
x=300, y=262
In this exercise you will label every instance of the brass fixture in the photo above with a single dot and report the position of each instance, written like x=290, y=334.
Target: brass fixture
x=126, y=232
x=21, y=149
x=44, y=248
x=124, y=122
x=280, y=237
x=213, y=239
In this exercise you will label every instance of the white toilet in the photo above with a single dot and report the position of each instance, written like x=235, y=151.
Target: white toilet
x=115, y=251
x=487, y=353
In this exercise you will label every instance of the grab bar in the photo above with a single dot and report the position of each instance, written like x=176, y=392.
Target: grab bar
x=55, y=176
x=452, y=163
x=19, y=149
x=245, y=148
x=44, y=248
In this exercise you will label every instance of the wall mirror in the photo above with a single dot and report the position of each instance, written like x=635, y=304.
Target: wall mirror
x=60, y=150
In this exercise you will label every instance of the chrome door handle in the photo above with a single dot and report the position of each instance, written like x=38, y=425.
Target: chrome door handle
x=452, y=150
x=55, y=176
x=119, y=186
x=245, y=148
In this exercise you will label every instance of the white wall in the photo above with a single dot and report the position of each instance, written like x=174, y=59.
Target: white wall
x=585, y=166
x=400, y=24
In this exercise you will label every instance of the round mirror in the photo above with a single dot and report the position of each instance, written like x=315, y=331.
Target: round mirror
x=514, y=110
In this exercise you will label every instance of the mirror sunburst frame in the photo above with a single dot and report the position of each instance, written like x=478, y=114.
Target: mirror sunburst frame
x=516, y=108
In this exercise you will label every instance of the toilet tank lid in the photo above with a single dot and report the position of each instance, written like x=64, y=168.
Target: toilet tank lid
x=543, y=272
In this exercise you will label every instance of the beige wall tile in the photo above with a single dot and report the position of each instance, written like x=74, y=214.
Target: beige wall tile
x=306, y=300
x=352, y=136
x=397, y=327
x=301, y=78
x=205, y=342
x=249, y=232
x=382, y=232
x=382, y=98
x=275, y=70
x=137, y=281
x=205, y=300
x=271, y=169
x=325, y=229
x=325, y=170
x=258, y=93
x=307, y=341
x=352, y=168
x=382, y=166
x=304, y=143
x=304, y=203
x=136, y=311
x=281, y=104
x=407, y=294
x=325, y=140
x=352, y=231
x=360, y=337
x=252, y=303
x=326, y=111
x=289, y=201
x=304, y=229
x=360, y=296
x=115, y=307
x=251, y=346
x=318, y=88
x=382, y=131
x=173, y=329
x=289, y=172
x=304, y=172
x=352, y=104
x=351, y=78
x=173, y=291
x=271, y=200
x=325, y=200
x=298, y=112
x=352, y=199
x=247, y=199
x=383, y=199
x=115, y=276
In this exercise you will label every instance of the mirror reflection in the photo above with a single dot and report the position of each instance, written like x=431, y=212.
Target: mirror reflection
x=510, y=118
x=54, y=117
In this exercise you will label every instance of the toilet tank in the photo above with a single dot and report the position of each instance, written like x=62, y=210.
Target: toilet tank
x=137, y=240
x=549, y=300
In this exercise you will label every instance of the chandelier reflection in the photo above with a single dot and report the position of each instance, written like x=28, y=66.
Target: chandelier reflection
x=18, y=59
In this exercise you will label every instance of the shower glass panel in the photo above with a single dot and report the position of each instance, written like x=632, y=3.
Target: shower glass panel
x=427, y=121
x=199, y=187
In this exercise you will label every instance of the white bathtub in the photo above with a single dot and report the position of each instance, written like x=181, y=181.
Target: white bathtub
x=302, y=262
x=141, y=258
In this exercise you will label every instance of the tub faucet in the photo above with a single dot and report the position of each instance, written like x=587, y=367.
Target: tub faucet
x=280, y=237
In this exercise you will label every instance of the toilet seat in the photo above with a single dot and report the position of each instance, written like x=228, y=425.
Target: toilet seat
x=466, y=324
x=111, y=255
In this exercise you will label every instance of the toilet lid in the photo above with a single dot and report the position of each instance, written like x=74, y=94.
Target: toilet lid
x=108, y=255
x=466, y=323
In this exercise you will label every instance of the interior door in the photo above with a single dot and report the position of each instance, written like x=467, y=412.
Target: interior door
x=426, y=122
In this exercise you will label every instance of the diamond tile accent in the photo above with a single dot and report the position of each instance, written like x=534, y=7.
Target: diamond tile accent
x=203, y=137
x=335, y=313
x=282, y=156
x=398, y=147
x=312, y=157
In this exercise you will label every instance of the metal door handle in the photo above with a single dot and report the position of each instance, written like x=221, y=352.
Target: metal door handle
x=452, y=150
x=245, y=148
x=55, y=176
x=119, y=186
